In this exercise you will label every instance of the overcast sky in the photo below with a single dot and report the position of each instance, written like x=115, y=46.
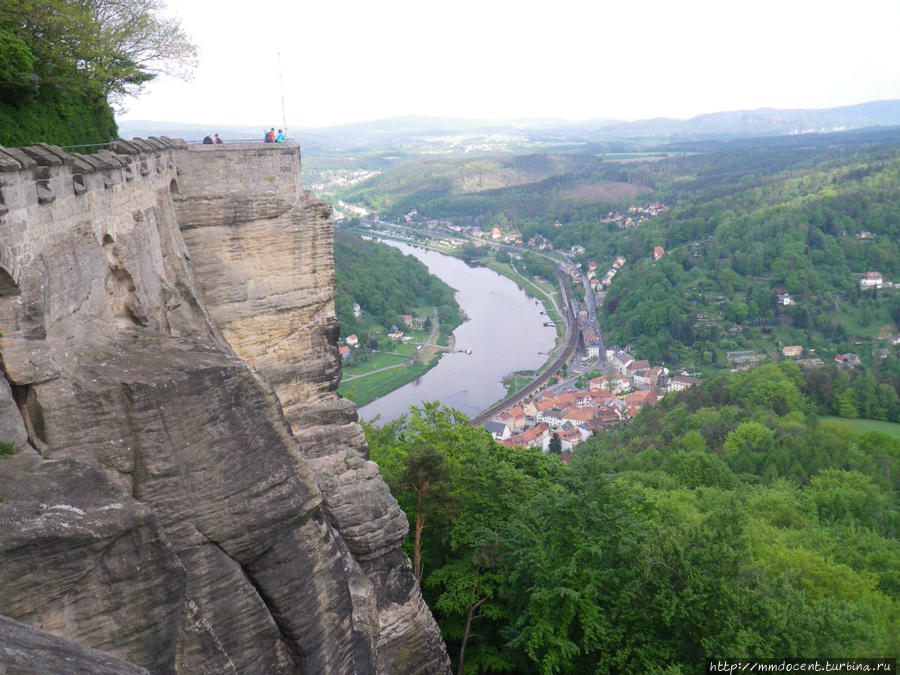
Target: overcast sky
x=356, y=60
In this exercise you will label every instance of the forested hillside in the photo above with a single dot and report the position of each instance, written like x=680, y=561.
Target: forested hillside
x=728, y=520
x=432, y=186
x=739, y=234
x=765, y=241
x=63, y=61
x=385, y=283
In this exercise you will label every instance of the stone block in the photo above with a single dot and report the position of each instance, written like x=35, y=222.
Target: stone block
x=112, y=158
x=24, y=160
x=8, y=162
x=124, y=147
x=43, y=155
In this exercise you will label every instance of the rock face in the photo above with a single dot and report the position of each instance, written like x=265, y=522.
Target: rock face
x=24, y=649
x=186, y=491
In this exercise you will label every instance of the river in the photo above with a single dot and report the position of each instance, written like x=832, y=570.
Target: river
x=505, y=332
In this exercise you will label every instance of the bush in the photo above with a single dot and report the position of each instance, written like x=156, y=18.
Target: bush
x=51, y=116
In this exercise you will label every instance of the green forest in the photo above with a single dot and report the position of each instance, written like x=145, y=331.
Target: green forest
x=64, y=62
x=747, y=221
x=385, y=283
x=728, y=521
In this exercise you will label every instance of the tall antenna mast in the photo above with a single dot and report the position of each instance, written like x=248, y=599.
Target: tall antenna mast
x=281, y=88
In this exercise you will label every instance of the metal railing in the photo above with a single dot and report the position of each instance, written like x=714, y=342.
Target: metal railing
x=98, y=146
x=241, y=140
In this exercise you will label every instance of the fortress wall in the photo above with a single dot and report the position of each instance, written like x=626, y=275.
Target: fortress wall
x=46, y=192
x=129, y=281
x=248, y=168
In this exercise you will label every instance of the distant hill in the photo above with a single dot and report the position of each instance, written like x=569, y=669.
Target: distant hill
x=411, y=133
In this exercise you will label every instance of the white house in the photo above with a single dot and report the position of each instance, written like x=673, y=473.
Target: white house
x=498, y=430
x=552, y=417
x=871, y=280
x=682, y=382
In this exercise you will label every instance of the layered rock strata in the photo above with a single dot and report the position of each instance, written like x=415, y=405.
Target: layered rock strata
x=186, y=491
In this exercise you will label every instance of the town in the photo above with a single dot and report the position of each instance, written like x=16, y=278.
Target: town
x=596, y=388
x=573, y=415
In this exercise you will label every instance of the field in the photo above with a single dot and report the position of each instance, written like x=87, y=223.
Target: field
x=518, y=380
x=366, y=389
x=377, y=361
x=862, y=426
x=362, y=384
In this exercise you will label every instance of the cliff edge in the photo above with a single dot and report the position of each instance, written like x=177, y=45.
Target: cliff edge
x=181, y=488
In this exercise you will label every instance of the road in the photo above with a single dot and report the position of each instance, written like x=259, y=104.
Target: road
x=421, y=354
x=350, y=378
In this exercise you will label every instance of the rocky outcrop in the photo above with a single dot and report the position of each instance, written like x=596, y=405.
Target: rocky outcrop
x=187, y=492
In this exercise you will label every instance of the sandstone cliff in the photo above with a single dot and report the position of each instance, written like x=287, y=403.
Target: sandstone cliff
x=186, y=491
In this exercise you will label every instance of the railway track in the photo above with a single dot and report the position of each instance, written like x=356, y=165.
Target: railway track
x=566, y=354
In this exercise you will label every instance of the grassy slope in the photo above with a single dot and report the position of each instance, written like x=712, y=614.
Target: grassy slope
x=861, y=426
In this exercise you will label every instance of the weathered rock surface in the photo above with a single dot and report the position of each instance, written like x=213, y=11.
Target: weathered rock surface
x=188, y=492
x=25, y=650
x=85, y=563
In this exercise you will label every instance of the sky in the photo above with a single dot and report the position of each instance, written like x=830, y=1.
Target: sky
x=345, y=61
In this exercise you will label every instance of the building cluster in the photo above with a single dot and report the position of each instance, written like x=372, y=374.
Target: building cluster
x=574, y=416
x=415, y=322
x=540, y=242
x=327, y=179
x=635, y=215
x=589, y=338
x=607, y=277
x=351, y=341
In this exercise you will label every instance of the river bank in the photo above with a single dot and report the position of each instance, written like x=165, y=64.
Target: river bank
x=505, y=333
x=384, y=380
x=365, y=384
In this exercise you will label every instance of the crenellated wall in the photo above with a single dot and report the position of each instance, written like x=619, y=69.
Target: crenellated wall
x=168, y=341
x=42, y=188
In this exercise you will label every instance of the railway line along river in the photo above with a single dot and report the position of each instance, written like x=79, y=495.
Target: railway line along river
x=505, y=332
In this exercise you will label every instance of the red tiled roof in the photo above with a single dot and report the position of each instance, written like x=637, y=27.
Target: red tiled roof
x=565, y=400
x=639, y=398
x=582, y=415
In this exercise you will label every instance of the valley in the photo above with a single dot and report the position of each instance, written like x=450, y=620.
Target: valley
x=430, y=394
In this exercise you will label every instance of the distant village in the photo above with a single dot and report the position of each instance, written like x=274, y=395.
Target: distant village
x=574, y=416
x=636, y=216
